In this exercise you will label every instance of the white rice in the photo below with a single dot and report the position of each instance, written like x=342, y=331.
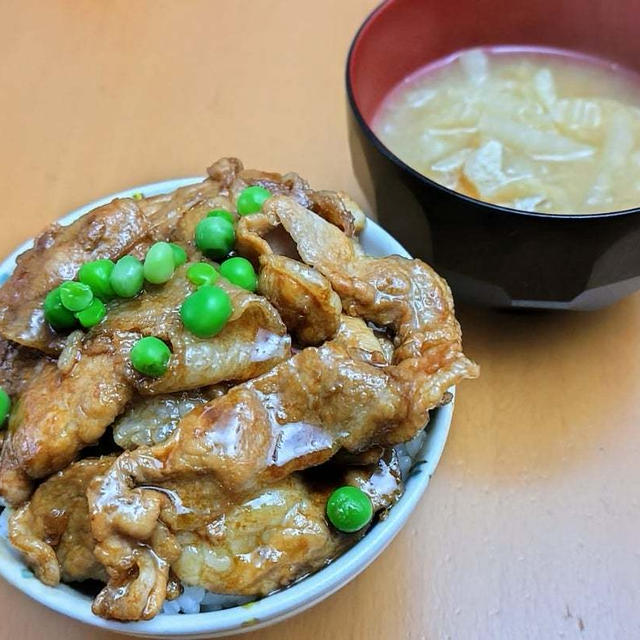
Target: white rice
x=188, y=601
x=409, y=453
x=197, y=600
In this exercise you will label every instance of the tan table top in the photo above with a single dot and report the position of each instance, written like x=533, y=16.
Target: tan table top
x=530, y=526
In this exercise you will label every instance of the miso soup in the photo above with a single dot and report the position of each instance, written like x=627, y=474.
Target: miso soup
x=536, y=130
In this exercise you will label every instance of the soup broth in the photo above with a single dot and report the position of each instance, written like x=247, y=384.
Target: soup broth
x=541, y=131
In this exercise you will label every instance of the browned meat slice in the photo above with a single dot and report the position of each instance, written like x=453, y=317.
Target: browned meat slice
x=255, y=235
x=380, y=479
x=127, y=225
x=290, y=184
x=335, y=207
x=58, y=414
x=110, y=231
x=338, y=209
x=221, y=173
x=224, y=171
x=52, y=530
x=65, y=408
x=274, y=537
x=185, y=231
x=57, y=254
x=344, y=458
x=406, y=296
x=259, y=545
x=252, y=342
x=15, y=485
x=304, y=298
x=17, y=365
x=298, y=415
x=295, y=416
x=250, y=546
x=151, y=420
x=361, y=342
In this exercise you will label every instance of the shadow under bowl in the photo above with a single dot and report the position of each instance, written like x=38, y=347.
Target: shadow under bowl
x=491, y=255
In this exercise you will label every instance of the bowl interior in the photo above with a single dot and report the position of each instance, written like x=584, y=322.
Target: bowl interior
x=401, y=36
x=287, y=602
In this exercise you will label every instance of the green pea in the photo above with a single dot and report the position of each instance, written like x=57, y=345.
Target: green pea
x=159, y=264
x=127, y=277
x=75, y=296
x=215, y=237
x=56, y=314
x=206, y=312
x=221, y=213
x=349, y=509
x=240, y=272
x=97, y=274
x=251, y=199
x=5, y=406
x=93, y=314
x=150, y=356
x=179, y=254
x=202, y=273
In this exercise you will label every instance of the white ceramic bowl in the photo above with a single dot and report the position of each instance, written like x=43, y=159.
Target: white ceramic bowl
x=287, y=602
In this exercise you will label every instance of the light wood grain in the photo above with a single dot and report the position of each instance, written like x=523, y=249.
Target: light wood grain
x=530, y=526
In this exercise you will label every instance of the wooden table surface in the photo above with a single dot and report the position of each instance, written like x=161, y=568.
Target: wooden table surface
x=529, y=528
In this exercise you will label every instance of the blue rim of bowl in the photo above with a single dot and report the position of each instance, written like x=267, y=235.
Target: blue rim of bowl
x=385, y=151
x=278, y=606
